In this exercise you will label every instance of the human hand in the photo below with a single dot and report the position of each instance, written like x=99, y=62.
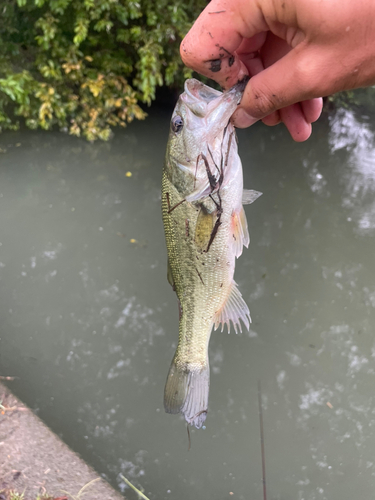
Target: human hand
x=294, y=50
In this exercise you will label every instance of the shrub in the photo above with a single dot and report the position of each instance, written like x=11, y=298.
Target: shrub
x=85, y=65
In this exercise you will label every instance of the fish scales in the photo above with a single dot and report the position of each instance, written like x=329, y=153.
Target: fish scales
x=205, y=229
x=199, y=277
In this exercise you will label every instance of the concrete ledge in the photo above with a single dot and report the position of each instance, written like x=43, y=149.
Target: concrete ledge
x=34, y=461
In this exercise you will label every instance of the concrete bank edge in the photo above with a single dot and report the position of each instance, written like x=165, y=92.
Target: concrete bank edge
x=34, y=461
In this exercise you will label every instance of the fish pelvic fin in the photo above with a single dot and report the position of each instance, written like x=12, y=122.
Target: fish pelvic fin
x=249, y=196
x=233, y=310
x=240, y=232
x=186, y=392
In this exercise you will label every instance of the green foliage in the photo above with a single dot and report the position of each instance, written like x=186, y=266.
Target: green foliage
x=84, y=65
x=364, y=97
x=16, y=496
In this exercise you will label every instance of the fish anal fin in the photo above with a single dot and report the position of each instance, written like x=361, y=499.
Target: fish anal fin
x=249, y=196
x=234, y=309
x=186, y=392
x=204, y=228
x=239, y=231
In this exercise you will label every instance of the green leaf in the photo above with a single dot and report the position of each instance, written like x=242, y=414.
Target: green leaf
x=87, y=63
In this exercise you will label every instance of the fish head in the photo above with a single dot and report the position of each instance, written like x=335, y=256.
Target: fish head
x=197, y=128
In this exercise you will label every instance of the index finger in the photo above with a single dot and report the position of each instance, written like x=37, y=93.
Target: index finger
x=210, y=46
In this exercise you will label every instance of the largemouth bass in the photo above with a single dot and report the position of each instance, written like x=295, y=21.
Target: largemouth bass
x=206, y=229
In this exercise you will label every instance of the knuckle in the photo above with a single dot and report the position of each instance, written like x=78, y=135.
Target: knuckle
x=184, y=53
x=313, y=76
x=263, y=100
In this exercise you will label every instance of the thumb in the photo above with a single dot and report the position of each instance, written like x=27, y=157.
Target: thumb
x=210, y=46
x=298, y=76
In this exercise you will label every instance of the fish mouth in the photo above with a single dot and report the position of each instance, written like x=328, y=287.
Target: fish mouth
x=214, y=106
x=198, y=96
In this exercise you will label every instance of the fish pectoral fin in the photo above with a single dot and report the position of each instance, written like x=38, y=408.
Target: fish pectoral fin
x=240, y=232
x=186, y=392
x=249, y=196
x=202, y=190
x=204, y=227
x=233, y=310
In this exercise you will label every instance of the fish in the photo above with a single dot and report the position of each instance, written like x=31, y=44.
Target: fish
x=205, y=230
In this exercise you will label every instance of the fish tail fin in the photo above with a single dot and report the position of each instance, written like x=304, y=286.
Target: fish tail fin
x=186, y=392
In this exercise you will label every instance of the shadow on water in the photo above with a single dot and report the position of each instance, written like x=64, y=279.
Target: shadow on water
x=89, y=323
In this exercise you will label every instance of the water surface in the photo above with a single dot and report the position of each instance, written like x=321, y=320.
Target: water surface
x=89, y=322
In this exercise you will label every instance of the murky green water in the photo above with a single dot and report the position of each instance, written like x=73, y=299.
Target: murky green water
x=89, y=322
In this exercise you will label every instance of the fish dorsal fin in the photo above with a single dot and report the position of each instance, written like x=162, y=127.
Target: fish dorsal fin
x=233, y=310
x=239, y=232
x=249, y=196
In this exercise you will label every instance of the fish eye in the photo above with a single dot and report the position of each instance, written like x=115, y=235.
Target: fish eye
x=177, y=124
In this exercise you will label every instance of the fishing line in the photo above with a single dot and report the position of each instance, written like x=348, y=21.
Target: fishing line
x=188, y=433
x=262, y=442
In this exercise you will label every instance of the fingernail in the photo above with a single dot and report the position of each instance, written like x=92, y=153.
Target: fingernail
x=241, y=119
